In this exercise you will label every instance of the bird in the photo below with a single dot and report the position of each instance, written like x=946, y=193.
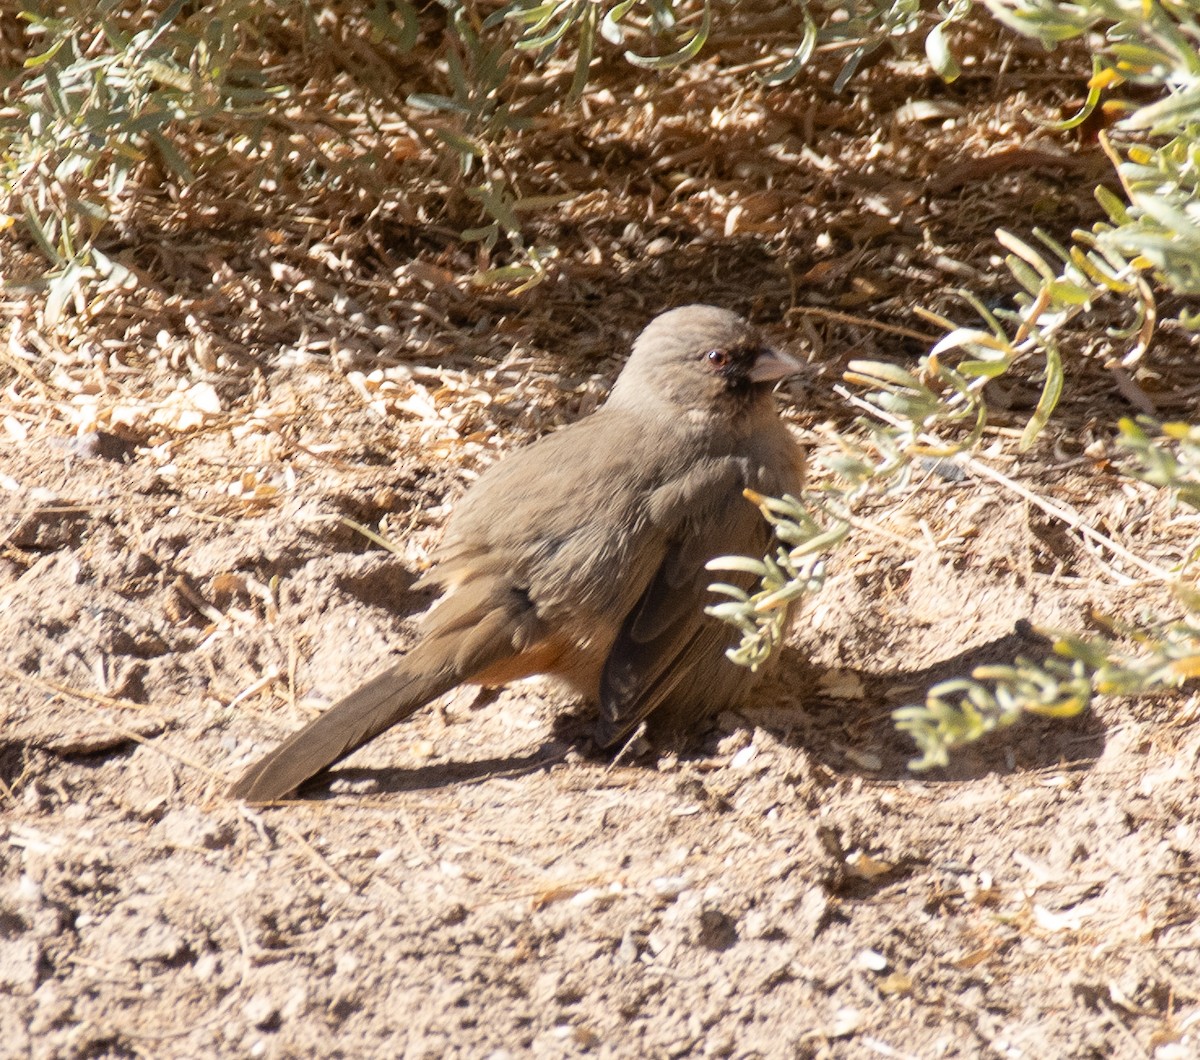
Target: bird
x=581, y=556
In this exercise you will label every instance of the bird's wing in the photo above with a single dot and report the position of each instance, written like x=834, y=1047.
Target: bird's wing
x=667, y=634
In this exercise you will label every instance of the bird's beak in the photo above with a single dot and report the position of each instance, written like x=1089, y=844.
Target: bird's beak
x=771, y=365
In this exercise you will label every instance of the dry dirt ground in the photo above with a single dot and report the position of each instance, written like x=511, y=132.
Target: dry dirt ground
x=180, y=587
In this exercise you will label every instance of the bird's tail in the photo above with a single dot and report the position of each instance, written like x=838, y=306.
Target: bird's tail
x=472, y=636
x=386, y=699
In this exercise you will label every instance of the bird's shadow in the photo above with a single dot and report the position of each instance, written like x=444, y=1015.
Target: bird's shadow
x=440, y=774
x=845, y=734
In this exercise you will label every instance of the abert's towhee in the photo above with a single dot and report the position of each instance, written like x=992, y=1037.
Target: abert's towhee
x=582, y=555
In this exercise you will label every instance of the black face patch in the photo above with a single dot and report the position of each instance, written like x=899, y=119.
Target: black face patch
x=732, y=364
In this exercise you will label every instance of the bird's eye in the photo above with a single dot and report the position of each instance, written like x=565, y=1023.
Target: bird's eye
x=717, y=358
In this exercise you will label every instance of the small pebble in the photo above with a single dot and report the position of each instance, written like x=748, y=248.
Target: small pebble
x=260, y=1011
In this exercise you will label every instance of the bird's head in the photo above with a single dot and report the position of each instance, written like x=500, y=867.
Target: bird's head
x=699, y=358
